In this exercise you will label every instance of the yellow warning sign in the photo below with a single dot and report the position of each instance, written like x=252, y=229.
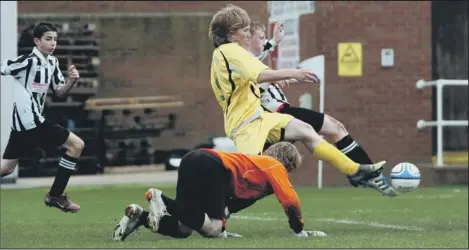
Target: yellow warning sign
x=350, y=59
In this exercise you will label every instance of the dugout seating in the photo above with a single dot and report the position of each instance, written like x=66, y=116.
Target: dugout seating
x=128, y=126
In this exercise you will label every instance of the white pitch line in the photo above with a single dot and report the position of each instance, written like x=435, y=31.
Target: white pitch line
x=337, y=221
x=423, y=197
x=243, y=217
x=372, y=224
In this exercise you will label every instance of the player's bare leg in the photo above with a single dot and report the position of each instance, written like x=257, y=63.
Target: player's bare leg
x=337, y=132
x=8, y=166
x=56, y=197
x=297, y=130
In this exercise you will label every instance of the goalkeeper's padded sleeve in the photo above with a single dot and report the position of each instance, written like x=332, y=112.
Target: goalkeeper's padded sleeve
x=294, y=219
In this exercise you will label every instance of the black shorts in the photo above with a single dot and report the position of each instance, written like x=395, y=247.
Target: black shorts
x=313, y=118
x=203, y=182
x=23, y=144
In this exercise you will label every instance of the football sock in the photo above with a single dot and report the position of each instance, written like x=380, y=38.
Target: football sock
x=143, y=219
x=353, y=150
x=169, y=226
x=330, y=154
x=66, y=168
x=190, y=216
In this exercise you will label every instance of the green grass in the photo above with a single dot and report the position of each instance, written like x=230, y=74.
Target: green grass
x=425, y=218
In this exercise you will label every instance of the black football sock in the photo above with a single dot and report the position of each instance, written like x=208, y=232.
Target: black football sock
x=353, y=150
x=169, y=226
x=143, y=219
x=66, y=169
x=192, y=217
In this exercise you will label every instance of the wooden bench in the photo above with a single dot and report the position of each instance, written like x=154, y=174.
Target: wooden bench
x=151, y=102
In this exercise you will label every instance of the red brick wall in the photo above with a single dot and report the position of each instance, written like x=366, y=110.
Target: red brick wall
x=379, y=109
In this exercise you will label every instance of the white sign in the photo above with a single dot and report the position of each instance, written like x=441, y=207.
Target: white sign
x=289, y=48
x=288, y=51
x=281, y=10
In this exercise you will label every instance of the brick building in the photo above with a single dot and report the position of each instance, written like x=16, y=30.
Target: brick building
x=170, y=54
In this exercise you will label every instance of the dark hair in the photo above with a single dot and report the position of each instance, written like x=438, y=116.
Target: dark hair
x=41, y=28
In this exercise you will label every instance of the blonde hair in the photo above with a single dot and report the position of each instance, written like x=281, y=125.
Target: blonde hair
x=255, y=25
x=225, y=21
x=286, y=153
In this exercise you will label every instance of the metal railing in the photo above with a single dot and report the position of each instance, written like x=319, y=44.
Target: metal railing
x=440, y=123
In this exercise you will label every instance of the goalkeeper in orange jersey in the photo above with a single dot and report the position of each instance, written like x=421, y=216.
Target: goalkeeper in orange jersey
x=206, y=179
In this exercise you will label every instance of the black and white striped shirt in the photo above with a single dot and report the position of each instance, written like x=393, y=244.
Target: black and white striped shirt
x=34, y=75
x=268, y=47
x=272, y=96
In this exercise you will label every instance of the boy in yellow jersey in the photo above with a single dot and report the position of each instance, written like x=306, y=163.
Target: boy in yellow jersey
x=235, y=73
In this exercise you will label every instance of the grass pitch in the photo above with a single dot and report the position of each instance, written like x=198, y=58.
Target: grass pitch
x=352, y=218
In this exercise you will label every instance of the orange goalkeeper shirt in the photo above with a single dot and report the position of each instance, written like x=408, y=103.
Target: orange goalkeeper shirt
x=254, y=176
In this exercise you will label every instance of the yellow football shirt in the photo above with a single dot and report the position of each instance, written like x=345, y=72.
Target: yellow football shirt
x=234, y=74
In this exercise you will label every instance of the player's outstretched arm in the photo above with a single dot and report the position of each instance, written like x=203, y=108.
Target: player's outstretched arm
x=14, y=67
x=250, y=69
x=285, y=193
x=284, y=74
x=293, y=81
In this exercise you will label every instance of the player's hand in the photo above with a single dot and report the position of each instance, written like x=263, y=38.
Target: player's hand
x=302, y=234
x=306, y=75
x=311, y=233
x=73, y=73
x=226, y=234
x=315, y=79
x=279, y=32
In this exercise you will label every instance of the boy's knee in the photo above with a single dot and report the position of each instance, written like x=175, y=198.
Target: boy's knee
x=308, y=132
x=77, y=145
x=8, y=169
x=213, y=233
x=211, y=230
x=8, y=165
x=334, y=127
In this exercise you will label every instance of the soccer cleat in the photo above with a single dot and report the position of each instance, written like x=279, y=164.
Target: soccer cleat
x=129, y=223
x=63, y=202
x=157, y=208
x=370, y=175
x=381, y=184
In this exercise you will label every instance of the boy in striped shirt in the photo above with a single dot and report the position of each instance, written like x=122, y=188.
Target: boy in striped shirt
x=34, y=74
